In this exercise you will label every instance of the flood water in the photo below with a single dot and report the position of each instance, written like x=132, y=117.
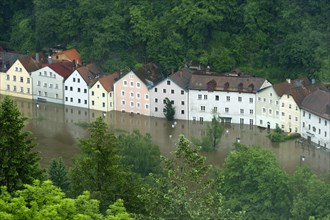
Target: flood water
x=57, y=129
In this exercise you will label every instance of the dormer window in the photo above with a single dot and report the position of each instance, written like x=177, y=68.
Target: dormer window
x=240, y=86
x=211, y=85
x=251, y=87
x=226, y=87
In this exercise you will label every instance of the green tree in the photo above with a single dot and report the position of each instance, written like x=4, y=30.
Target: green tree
x=311, y=195
x=98, y=169
x=58, y=174
x=45, y=201
x=139, y=153
x=186, y=191
x=255, y=183
x=18, y=164
x=169, y=110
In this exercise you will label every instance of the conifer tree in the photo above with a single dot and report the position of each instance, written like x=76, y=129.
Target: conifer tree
x=18, y=164
x=58, y=174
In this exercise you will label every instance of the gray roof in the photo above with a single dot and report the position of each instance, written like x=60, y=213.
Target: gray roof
x=181, y=77
x=318, y=103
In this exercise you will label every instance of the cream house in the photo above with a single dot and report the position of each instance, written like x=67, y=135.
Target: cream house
x=17, y=80
x=101, y=94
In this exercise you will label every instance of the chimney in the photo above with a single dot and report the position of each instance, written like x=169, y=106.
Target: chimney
x=50, y=59
x=181, y=74
x=37, y=57
x=289, y=81
x=313, y=81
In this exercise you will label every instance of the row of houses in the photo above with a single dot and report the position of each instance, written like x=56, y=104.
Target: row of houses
x=299, y=105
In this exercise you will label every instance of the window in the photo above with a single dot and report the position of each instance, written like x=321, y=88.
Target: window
x=98, y=86
x=92, y=93
x=168, y=82
x=228, y=98
x=251, y=111
x=172, y=91
x=205, y=97
x=270, y=94
x=172, y=102
x=66, y=87
x=264, y=110
x=296, y=118
x=239, y=99
x=78, y=80
x=103, y=94
x=314, y=129
x=289, y=105
x=276, y=102
x=319, y=131
x=131, y=76
x=199, y=96
x=156, y=109
x=56, y=86
x=215, y=109
x=103, y=104
x=309, y=116
x=132, y=83
x=309, y=127
x=251, y=100
x=125, y=83
x=21, y=89
x=21, y=79
x=79, y=100
x=202, y=108
x=325, y=122
x=265, y=100
x=14, y=78
x=182, y=102
x=66, y=99
x=319, y=120
x=146, y=96
x=71, y=88
x=138, y=95
x=71, y=99
x=182, y=92
x=259, y=99
x=50, y=85
x=156, y=100
x=303, y=124
x=182, y=112
x=147, y=106
x=156, y=89
x=8, y=77
x=38, y=84
x=270, y=101
x=92, y=102
x=270, y=111
x=283, y=114
x=123, y=102
x=39, y=93
x=131, y=94
x=277, y=113
x=45, y=85
x=164, y=90
x=74, y=79
x=227, y=110
x=85, y=90
x=282, y=104
x=28, y=91
x=216, y=98
x=241, y=111
x=290, y=117
x=138, y=85
x=138, y=104
x=122, y=93
x=85, y=102
x=325, y=134
x=131, y=104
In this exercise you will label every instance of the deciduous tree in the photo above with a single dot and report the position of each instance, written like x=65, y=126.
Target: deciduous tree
x=169, y=110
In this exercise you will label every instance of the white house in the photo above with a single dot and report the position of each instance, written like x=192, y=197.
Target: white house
x=175, y=88
x=48, y=82
x=267, y=108
x=315, y=118
x=77, y=85
x=231, y=96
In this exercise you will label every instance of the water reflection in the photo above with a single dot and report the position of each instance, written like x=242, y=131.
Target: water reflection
x=56, y=130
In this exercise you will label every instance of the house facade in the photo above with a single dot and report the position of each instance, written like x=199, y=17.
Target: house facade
x=232, y=97
x=77, y=85
x=267, y=108
x=71, y=55
x=315, y=118
x=132, y=94
x=48, y=82
x=175, y=89
x=101, y=94
x=17, y=80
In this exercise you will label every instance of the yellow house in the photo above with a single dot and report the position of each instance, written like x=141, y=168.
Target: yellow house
x=17, y=80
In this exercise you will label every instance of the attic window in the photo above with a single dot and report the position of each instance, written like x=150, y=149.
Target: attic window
x=211, y=85
x=240, y=86
x=251, y=87
x=226, y=86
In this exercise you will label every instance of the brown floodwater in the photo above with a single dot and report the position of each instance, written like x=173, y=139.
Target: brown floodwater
x=57, y=129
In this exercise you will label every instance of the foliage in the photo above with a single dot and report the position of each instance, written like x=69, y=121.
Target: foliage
x=278, y=136
x=58, y=174
x=213, y=135
x=98, y=169
x=186, y=191
x=139, y=153
x=45, y=201
x=254, y=182
x=169, y=110
x=310, y=195
x=19, y=165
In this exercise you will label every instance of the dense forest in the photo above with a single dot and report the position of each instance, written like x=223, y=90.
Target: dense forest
x=273, y=39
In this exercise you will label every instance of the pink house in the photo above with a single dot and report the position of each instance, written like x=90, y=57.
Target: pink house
x=132, y=90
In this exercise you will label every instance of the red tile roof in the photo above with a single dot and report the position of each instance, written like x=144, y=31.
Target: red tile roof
x=71, y=54
x=107, y=81
x=63, y=68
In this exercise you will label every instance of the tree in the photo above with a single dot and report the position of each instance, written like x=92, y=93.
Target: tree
x=58, y=174
x=46, y=201
x=186, y=191
x=18, y=164
x=98, y=169
x=311, y=195
x=169, y=110
x=254, y=182
x=139, y=153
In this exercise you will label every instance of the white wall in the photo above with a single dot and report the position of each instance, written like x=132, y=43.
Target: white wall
x=76, y=91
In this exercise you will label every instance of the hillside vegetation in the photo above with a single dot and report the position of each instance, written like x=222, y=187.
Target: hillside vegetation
x=273, y=39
